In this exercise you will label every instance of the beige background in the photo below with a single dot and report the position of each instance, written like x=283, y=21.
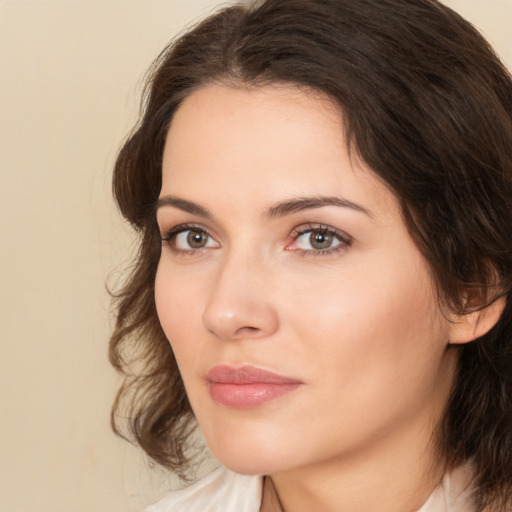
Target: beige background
x=69, y=87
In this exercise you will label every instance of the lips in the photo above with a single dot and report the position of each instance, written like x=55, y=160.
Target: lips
x=247, y=387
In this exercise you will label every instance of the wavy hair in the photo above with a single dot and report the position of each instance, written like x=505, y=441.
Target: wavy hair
x=428, y=106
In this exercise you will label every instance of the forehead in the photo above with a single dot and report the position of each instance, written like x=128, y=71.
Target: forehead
x=231, y=116
x=262, y=144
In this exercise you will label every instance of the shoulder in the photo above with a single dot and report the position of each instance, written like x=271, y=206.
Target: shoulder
x=454, y=494
x=220, y=491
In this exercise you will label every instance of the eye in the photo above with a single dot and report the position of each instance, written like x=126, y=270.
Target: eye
x=319, y=240
x=187, y=239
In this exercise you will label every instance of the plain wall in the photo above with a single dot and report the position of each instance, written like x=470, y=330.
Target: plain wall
x=69, y=91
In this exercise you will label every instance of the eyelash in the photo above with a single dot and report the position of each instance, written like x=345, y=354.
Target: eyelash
x=344, y=239
x=171, y=235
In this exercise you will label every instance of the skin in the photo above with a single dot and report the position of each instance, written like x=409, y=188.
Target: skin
x=359, y=326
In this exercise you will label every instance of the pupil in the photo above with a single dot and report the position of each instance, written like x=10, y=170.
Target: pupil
x=196, y=239
x=321, y=240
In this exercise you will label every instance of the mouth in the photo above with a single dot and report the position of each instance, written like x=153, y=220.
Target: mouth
x=247, y=387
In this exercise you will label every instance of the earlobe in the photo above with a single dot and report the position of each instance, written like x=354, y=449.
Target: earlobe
x=468, y=327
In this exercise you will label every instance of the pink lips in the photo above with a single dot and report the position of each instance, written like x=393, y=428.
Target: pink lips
x=247, y=387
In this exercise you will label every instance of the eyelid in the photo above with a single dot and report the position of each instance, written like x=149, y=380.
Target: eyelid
x=311, y=227
x=169, y=235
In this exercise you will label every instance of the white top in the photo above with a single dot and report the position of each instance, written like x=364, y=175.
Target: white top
x=225, y=491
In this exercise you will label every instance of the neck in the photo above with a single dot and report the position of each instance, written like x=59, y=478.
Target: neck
x=397, y=472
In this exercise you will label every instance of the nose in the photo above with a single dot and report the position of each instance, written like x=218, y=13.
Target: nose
x=240, y=302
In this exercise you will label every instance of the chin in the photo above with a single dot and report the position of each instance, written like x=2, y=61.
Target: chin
x=249, y=465
x=250, y=457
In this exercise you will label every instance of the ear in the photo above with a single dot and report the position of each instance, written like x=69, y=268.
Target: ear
x=468, y=327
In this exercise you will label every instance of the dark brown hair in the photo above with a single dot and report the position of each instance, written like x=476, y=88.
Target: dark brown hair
x=428, y=106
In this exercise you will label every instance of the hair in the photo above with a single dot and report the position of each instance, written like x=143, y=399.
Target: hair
x=427, y=105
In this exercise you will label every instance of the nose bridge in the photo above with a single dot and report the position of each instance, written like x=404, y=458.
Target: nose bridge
x=239, y=304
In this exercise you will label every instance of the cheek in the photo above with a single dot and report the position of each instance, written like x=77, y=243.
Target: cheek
x=178, y=309
x=374, y=324
x=374, y=347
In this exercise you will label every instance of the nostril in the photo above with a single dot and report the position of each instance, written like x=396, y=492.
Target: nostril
x=247, y=331
x=231, y=316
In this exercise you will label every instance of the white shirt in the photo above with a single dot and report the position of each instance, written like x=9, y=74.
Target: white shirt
x=225, y=491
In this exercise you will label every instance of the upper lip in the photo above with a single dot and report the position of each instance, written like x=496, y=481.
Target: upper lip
x=224, y=374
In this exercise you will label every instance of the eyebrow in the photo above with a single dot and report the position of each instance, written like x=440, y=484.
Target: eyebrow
x=308, y=203
x=280, y=209
x=184, y=205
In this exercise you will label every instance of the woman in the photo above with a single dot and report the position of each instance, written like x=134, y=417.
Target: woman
x=323, y=190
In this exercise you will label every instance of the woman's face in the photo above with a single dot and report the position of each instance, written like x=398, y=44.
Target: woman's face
x=302, y=316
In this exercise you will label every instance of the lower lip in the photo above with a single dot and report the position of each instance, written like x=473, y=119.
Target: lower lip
x=246, y=396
